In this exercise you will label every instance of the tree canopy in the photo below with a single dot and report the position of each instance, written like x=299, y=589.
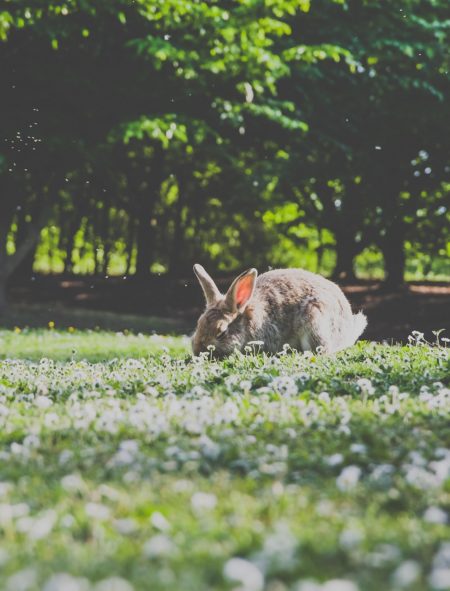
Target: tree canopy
x=139, y=136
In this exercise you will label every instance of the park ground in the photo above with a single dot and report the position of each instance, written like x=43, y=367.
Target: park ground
x=127, y=466
x=172, y=307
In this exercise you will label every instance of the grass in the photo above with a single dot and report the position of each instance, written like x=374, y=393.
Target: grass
x=92, y=345
x=127, y=465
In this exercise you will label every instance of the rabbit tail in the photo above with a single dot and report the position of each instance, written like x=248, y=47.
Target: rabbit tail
x=358, y=323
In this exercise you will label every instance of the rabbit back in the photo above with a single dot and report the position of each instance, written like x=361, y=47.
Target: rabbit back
x=304, y=310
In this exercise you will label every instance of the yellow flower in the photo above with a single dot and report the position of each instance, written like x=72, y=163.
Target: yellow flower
x=17, y=330
x=71, y=329
x=51, y=325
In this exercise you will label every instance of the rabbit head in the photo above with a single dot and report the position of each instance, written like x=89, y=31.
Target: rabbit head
x=223, y=323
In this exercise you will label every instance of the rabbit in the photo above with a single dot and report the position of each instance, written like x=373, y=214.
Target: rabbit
x=283, y=306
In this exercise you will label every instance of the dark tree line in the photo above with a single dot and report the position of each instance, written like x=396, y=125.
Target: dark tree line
x=165, y=132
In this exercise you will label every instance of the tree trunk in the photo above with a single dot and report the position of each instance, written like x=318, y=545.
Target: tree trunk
x=346, y=250
x=394, y=256
x=24, y=271
x=148, y=199
x=176, y=250
x=130, y=243
x=70, y=245
x=3, y=296
x=9, y=264
x=144, y=239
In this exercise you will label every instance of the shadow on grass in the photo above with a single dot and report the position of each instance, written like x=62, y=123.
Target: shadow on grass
x=40, y=315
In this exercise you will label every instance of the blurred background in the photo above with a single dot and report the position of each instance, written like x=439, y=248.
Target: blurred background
x=138, y=137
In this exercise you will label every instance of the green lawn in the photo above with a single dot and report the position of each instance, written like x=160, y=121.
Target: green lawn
x=127, y=465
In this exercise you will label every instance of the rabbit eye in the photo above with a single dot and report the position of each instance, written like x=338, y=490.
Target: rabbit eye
x=221, y=335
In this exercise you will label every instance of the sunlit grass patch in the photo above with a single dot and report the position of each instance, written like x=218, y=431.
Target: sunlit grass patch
x=92, y=345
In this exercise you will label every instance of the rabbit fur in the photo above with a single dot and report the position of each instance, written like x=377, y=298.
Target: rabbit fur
x=283, y=306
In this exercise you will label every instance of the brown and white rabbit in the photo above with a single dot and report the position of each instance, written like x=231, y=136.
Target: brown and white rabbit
x=284, y=306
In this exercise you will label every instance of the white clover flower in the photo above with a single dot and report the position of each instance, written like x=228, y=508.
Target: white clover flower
x=109, y=492
x=201, y=501
x=158, y=545
x=339, y=585
x=358, y=448
x=307, y=585
x=97, y=511
x=22, y=580
x=43, y=401
x=51, y=420
x=67, y=521
x=125, y=526
x=442, y=557
x=435, y=515
x=9, y=512
x=5, y=488
x=441, y=468
x=245, y=385
x=279, y=549
x=113, y=584
x=350, y=538
x=134, y=364
x=418, y=336
x=73, y=483
x=348, y=478
x=303, y=376
x=158, y=521
x=325, y=508
x=130, y=445
x=66, y=582
x=41, y=525
x=366, y=386
x=420, y=477
x=244, y=572
x=209, y=448
x=406, y=574
x=285, y=385
x=334, y=459
x=324, y=397
x=439, y=579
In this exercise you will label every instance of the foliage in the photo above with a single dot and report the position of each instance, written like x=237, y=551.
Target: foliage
x=254, y=472
x=158, y=132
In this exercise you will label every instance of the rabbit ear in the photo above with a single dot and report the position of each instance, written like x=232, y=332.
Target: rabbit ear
x=241, y=291
x=210, y=289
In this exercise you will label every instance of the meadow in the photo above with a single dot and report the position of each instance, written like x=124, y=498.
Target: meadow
x=128, y=465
